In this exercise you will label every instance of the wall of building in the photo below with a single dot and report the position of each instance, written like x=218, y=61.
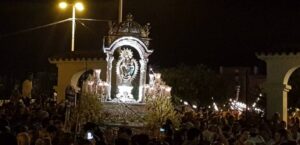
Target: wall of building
x=69, y=71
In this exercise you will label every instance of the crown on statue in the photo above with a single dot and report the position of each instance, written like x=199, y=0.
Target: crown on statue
x=126, y=53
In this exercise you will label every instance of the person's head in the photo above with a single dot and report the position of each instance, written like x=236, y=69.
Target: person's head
x=276, y=136
x=5, y=129
x=89, y=126
x=23, y=128
x=193, y=134
x=265, y=134
x=66, y=139
x=236, y=127
x=141, y=139
x=121, y=141
x=294, y=129
x=99, y=133
x=125, y=133
x=244, y=135
x=213, y=128
x=169, y=122
x=281, y=135
x=297, y=120
x=253, y=132
x=276, y=116
x=23, y=138
x=108, y=131
x=282, y=125
x=3, y=122
x=51, y=131
x=59, y=124
x=82, y=141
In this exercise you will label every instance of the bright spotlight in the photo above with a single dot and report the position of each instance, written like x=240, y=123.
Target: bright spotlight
x=185, y=103
x=79, y=6
x=62, y=5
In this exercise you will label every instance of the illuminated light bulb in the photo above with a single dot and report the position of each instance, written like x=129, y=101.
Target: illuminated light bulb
x=62, y=5
x=194, y=106
x=79, y=6
x=185, y=103
x=254, y=104
x=215, y=106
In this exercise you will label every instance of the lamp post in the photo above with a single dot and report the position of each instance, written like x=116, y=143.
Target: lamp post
x=75, y=6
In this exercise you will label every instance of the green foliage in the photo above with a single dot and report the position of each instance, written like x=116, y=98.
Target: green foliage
x=197, y=84
x=87, y=110
x=159, y=110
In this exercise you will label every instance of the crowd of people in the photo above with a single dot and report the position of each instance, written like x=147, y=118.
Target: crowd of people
x=25, y=122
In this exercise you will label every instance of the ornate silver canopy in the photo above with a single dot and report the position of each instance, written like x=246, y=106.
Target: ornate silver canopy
x=127, y=36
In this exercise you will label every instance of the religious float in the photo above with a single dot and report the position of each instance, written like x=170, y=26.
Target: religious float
x=130, y=88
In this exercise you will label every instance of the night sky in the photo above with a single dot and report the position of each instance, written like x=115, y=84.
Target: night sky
x=211, y=32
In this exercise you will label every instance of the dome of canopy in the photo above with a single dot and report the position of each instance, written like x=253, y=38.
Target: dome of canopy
x=130, y=27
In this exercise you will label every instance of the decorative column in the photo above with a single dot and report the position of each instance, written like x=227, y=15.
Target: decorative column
x=286, y=89
x=143, y=70
x=109, y=59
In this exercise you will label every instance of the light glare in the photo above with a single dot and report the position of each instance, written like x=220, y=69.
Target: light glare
x=185, y=103
x=79, y=6
x=215, y=107
x=62, y=5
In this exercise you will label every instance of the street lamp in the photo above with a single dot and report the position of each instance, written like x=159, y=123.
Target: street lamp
x=75, y=6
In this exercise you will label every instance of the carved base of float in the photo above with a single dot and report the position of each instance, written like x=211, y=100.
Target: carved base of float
x=124, y=114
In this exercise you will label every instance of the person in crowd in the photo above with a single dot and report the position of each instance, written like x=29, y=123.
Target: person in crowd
x=242, y=138
x=140, y=139
x=38, y=124
x=6, y=136
x=168, y=130
x=122, y=141
x=193, y=137
x=283, y=138
x=255, y=138
x=125, y=133
x=23, y=136
x=26, y=90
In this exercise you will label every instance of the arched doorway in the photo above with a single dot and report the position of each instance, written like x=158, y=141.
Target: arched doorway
x=70, y=70
x=279, y=68
x=84, y=76
x=294, y=93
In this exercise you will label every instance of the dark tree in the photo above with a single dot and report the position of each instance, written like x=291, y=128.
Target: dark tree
x=197, y=84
